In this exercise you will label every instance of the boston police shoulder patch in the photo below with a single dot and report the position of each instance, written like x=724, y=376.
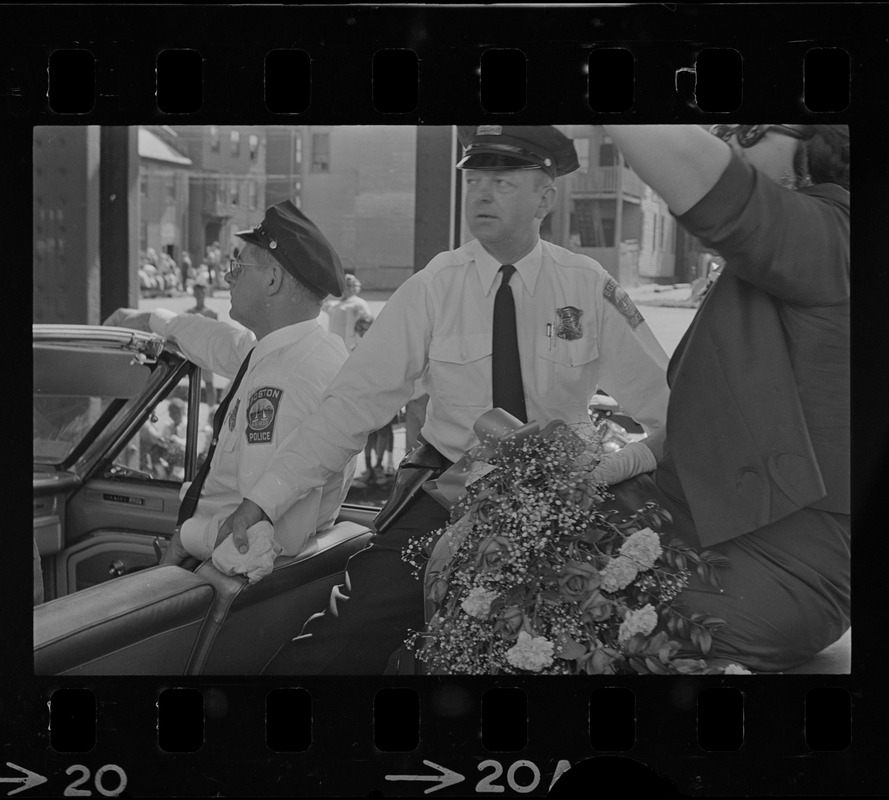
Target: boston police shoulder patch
x=262, y=411
x=616, y=295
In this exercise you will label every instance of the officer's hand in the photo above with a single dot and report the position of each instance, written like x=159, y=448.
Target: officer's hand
x=175, y=554
x=130, y=318
x=632, y=460
x=244, y=516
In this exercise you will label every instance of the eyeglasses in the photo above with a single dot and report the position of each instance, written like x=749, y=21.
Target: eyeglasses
x=749, y=135
x=235, y=267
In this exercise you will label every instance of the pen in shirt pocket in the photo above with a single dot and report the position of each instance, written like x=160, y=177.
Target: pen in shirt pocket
x=549, y=334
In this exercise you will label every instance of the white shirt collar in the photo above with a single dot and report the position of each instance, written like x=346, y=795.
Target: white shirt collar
x=282, y=336
x=527, y=268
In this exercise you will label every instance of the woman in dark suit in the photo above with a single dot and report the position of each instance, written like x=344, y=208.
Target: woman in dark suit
x=757, y=456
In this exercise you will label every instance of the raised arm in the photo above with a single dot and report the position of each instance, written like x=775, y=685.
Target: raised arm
x=680, y=162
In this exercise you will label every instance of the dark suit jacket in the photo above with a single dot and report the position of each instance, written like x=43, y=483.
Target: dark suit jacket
x=758, y=422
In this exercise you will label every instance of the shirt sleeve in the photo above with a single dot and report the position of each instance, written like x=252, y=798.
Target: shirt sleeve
x=793, y=245
x=210, y=344
x=376, y=381
x=632, y=363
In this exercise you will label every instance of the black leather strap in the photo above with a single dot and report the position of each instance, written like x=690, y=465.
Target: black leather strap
x=193, y=494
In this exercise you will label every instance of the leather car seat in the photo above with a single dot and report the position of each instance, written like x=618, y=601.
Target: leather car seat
x=145, y=623
x=248, y=623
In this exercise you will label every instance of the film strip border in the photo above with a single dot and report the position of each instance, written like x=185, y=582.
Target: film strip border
x=796, y=735
x=433, y=65
x=405, y=739
x=714, y=83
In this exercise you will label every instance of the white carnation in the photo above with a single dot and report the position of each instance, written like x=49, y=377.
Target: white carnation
x=618, y=573
x=642, y=620
x=643, y=548
x=478, y=602
x=532, y=654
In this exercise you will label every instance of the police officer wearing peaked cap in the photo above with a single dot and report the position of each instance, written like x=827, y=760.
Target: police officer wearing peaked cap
x=504, y=147
x=280, y=365
x=297, y=244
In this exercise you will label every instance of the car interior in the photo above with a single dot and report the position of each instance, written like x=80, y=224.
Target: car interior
x=115, y=436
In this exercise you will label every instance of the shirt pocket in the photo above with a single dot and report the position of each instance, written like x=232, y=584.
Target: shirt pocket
x=460, y=369
x=566, y=369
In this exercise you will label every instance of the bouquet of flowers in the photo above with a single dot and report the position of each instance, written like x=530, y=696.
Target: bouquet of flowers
x=535, y=575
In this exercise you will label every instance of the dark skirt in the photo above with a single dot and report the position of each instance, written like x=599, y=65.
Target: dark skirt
x=786, y=591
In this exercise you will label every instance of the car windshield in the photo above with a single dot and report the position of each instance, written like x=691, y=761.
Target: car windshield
x=77, y=393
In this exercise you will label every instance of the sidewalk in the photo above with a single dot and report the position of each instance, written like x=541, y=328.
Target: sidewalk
x=677, y=295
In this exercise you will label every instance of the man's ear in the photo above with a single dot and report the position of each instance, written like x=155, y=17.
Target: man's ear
x=276, y=278
x=547, y=201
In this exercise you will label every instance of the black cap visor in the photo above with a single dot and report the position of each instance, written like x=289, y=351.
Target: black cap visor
x=500, y=156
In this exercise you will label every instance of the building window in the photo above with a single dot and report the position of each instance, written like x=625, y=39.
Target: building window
x=143, y=236
x=220, y=193
x=320, y=152
x=594, y=228
x=233, y=192
x=251, y=195
x=170, y=183
x=254, y=146
x=607, y=154
x=236, y=144
x=143, y=185
x=214, y=139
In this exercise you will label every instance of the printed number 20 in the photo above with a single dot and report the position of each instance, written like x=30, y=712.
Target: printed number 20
x=487, y=784
x=99, y=781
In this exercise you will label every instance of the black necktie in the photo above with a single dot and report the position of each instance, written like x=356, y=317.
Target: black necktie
x=190, y=501
x=506, y=369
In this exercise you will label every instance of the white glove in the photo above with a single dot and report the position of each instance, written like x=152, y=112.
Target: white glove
x=628, y=462
x=257, y=562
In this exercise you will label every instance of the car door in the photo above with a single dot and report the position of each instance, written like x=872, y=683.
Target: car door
x=123, y=515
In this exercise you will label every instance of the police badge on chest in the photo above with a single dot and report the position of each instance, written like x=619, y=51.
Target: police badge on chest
x=568, y=326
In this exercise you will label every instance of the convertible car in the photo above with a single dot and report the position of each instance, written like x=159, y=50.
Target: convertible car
x=119, y=423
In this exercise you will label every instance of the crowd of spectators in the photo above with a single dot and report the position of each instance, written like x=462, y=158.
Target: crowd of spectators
x=161, y=276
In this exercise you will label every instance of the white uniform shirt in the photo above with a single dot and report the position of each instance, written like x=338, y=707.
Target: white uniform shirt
x=577, y=330
x=288, y=373
x=343, y=315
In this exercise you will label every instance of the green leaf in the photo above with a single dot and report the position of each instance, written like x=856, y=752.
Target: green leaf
x=655, y=667
x=705, y=642
x=570, y=650
x=638, y=665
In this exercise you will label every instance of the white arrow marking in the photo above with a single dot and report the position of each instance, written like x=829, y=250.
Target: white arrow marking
x=447, y=778
x=29, y=780
x=561, y=768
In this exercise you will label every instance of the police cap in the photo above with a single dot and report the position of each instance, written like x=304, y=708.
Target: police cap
x=517, y=147
x=298, y=246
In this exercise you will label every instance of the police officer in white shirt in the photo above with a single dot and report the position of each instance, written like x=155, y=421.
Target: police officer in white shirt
x=576, y=328
x=282, y=275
